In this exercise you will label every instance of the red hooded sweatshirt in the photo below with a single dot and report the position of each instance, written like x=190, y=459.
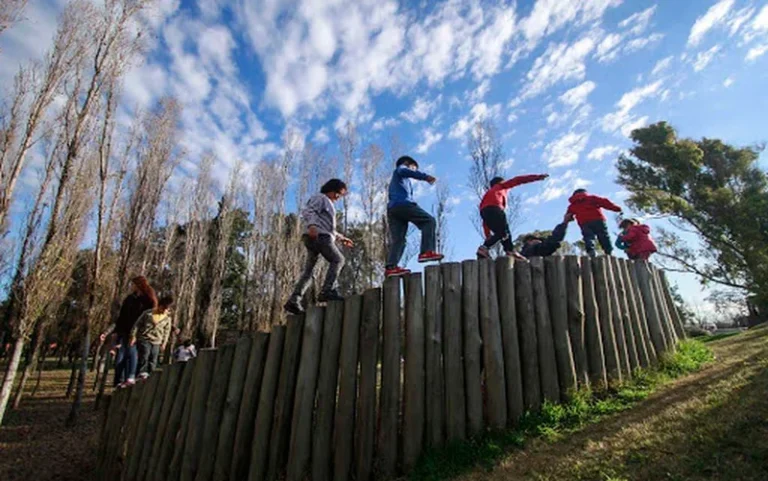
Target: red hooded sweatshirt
x=586, y=207
x=639, y=239
x=497, y=195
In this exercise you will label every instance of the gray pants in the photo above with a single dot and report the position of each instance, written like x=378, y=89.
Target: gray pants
x=148, y=356
x=398, y=218
x=322, y=246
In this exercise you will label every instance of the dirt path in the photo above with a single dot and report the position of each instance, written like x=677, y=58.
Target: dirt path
x=711, y=425
x=35, y=445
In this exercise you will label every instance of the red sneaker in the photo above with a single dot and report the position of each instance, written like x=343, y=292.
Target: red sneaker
x=396, y=272
x=430, y=256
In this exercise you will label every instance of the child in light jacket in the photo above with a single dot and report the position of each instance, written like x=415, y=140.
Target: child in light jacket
x=151, y=332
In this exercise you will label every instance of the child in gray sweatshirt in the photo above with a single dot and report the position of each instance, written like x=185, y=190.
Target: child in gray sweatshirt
x=319, y=219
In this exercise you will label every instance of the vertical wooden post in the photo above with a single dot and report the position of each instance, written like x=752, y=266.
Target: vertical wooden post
x=505, y=277
x=624, y=315
x=455, y=403
x=550, y=384
x=110, y=462
x=493, y=351
x=172, y=440
x=256, y=467
x=575, y=300
x=557, y=290
x=300, y=446
x=646, y=333
x=159, y=424
x=214, y=410
x=602, y=289
x=433, y=303
x=664, y=314
x=390, y=380
x=472, y=346
x=132, y=426
x=322, y=439
x=616, y=320
x=366, y=413
x=529, y=348
x=140, y=439
x=641, y=344
x=201, y=384
x=263, y=360
x=672, y=307
x=592, y=332
x=286, y=391
x=344, y=424
x=227, y=431
x=654, y=324
x=415, y=376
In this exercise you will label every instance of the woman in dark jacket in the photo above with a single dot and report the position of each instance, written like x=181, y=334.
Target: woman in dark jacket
x=140, y=300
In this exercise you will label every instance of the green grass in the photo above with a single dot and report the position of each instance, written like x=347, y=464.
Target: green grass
x=717, y=337
x=557, y=420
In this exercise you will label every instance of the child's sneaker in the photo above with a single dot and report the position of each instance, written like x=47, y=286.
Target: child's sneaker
x=293, y=307
x=330, y=296
x=482, y=252
x=396, y=272
x=128, y=383
x=430, y=256
x=143, y=376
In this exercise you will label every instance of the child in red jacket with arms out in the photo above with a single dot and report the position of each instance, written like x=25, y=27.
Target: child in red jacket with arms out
x=493, y=212
x=637, y=239
x=587, y=209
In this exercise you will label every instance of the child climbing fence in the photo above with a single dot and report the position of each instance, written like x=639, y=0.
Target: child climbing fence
x=335, y=394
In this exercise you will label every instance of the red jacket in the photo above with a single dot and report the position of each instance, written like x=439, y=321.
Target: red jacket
x=586, y=207
x=497, y=195
x=639, y=239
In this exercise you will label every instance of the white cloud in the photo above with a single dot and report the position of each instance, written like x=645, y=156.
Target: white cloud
x=757, y=27
x=565, y=150
x=608, y=49
x=479, y=112
x=642, y=42
x=384, y=123
x=622, y=119
x=756, y=52
x=421, y=109
x=479, y=92
x=577, y=96
x=559, y=63
x=556, y=187
x=549, y=16
x=638, y=22
x=600, y=153
x=430, y=138
x=704, y=58
x=715, y=16
x=321, y=136
x=739, y=19
x=728, y=82
x=662, y=65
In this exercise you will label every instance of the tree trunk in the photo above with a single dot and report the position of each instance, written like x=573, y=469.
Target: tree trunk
x=73, y=413
x=10, y=375
x=40, y=366
x=30, y=364
x=72, y=375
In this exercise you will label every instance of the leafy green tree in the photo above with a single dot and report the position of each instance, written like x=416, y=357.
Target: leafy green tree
x=707, y=188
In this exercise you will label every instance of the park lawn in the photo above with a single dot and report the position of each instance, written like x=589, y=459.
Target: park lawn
x=712, y=424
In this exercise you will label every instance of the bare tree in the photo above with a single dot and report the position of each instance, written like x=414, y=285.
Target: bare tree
x=442, y=210
x=374, y=210
x=10, y=12
x=348, y=144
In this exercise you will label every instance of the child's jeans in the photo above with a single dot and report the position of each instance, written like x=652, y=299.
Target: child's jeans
x=125, y=360
x=148, y=355
x=596, y=229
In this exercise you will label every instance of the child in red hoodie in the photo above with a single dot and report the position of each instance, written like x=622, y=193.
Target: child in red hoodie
x=587, y=210
x=637, y=239
x=493, y=212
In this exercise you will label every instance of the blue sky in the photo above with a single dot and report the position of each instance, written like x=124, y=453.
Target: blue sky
x=565, y=82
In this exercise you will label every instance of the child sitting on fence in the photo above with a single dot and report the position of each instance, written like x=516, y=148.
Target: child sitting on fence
x=151, y=332
x=493, y=212
x=635, y=239
x=534, y=246
x=185, y=352
x=587, y=209
x=319, y=218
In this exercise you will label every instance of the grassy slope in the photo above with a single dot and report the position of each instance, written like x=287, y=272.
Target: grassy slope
x=712, y=424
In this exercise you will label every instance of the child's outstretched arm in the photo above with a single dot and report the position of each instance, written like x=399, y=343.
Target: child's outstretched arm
x=607, y=204
x=522, y=179
x=415, y=174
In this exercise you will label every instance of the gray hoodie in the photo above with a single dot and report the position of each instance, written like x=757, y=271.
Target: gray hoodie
x=320, y=212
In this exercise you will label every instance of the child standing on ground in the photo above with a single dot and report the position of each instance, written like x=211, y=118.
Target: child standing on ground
x=151, y=332
x=587, y=209
x=319, y=218
x=401, y=210
x=493, y=211
x=636, y=238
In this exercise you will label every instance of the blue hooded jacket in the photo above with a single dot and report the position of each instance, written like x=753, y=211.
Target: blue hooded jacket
x=400, y=187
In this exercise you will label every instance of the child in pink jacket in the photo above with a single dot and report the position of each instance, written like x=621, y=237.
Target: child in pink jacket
x=637, y=239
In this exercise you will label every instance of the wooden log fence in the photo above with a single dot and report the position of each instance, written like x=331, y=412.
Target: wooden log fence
x=359, y=389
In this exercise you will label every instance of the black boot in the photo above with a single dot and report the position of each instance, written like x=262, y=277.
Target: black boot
x=293, y=307
x=330, y=296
